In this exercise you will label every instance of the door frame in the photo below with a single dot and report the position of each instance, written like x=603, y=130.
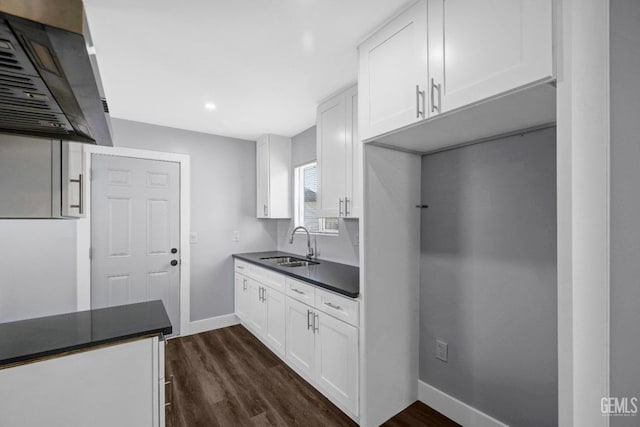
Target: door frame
x=84, y=226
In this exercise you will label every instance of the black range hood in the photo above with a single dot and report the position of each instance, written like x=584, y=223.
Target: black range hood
x=49, y=84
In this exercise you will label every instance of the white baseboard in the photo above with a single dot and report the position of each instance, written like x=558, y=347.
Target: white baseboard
x=455, y=409
x=210, y=324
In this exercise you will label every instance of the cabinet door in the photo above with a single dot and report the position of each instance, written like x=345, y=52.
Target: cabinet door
x=275, y=326
x=337, y=361
x=481, y=49
x=256, y=309
x=262, y=177
x=300, y=337
x=353, y=191
x=242, y=296
x=393, y=74
x=331, y=157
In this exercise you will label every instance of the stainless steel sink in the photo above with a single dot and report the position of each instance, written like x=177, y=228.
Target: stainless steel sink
x=297, y=263
x=289, y=261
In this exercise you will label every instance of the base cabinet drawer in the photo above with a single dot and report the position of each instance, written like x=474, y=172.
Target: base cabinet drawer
x=343, y=308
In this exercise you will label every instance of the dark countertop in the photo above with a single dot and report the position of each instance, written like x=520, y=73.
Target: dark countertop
x=29, y=339
x=341, y=278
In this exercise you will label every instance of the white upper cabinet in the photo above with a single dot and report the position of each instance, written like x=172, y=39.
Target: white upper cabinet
x=443, y=55
x=481, y=49
x=392, y=76
x=339, y=156
x=273, y=177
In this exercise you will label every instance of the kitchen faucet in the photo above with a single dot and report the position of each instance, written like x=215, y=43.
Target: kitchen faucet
x=310, y=252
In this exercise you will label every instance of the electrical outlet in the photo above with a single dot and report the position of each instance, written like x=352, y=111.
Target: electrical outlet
x=442, y=350
x=193, y=237
x=236, y=236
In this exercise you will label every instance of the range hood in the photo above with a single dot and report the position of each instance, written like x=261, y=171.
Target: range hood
x=49, y=83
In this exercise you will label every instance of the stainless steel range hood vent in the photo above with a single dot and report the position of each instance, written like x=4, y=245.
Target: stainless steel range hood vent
x=49, y=85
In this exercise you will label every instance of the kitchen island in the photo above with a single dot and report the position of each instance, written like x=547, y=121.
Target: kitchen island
x=100, y=367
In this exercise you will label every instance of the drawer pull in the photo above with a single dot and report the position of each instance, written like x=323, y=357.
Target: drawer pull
x=335, y=307
x=240, y=267
x=170, y=384
x=298, y=291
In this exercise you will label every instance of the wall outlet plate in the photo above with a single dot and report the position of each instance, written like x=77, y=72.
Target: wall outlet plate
x=442, y=350
x=236, y=236
x=193, y=237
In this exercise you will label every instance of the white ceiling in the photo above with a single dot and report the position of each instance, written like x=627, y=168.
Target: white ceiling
x=265, y=64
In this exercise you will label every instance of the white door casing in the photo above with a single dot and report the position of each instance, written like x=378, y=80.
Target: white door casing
x=135, y=231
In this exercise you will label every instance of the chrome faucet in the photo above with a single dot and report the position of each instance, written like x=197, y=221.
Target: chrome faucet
x=310, y=252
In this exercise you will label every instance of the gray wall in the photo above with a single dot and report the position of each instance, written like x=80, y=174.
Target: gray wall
x=342, y=248
x=223, y=198
x=488, y=277
x=625, y=202
x=38, y=264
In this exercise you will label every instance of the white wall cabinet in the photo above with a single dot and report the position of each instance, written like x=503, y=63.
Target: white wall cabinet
x=116, y=385
x=477, y=50
x=273, y=177
x=313, y=330
x=393, y=74
x=440, y=56
x=339, y=154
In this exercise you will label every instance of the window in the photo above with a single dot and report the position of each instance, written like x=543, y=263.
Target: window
x=306, y=204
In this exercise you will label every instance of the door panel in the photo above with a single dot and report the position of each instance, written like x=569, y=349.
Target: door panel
x=481, y=49
x=332, y=140
x=392, y=63
x=275, y=331
x=135, y=222
x=337, y=361
x=300, y=338
x=256, y=309
x=262, y=177
x=242, y=296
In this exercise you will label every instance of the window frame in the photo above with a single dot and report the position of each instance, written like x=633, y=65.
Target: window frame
x=298, y=204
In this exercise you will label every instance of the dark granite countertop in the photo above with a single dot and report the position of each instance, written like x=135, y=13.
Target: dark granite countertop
x=341, y=278
x=29, y=339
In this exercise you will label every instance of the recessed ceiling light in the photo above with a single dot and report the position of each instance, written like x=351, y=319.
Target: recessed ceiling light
x=210, y=106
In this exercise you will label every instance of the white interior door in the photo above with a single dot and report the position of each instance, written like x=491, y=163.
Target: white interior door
x=135, y=233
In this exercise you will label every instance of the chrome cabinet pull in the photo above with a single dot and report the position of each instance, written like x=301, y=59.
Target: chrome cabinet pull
x=298, y=291
x=308, y=321
x=346, y=207
x=335, y=307
x=435, y=87
x=244, y=284
x=316, y=323
x=266, y=211
x=340, y=202
x=170, y=384
x=80, y=205
x=240, y=267
x=419, y=94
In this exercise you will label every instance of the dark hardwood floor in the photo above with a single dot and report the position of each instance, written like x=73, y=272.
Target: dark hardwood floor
x=227, y=377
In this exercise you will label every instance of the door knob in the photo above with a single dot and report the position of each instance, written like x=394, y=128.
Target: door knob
x=174, y=262
x=174, y=250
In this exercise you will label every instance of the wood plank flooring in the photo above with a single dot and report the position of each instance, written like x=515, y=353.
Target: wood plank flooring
x=227, y=377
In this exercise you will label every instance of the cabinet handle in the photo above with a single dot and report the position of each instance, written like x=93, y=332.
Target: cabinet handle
x=435, y=87
x=80, y=205
x=170, y=384
x=308, y=321
x=346, y=207
x=262, y=296
x=335, y=307
x=244, y=284
x=298, y=291
x=266, y=211
x=340, y=201
x=316, y=323
x=240, y=267
x=419, y=94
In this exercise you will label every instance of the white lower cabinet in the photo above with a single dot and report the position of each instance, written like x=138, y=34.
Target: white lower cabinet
x=300, y=337
x=114, y=385
x=274, y=307
x=313, y=330
x=336, y=360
